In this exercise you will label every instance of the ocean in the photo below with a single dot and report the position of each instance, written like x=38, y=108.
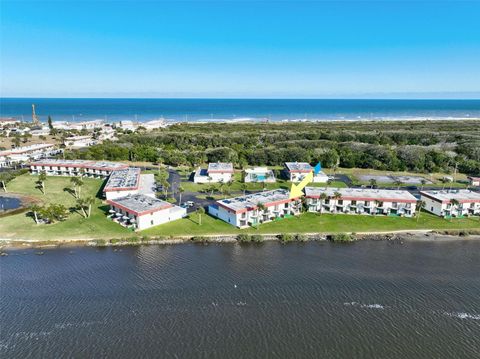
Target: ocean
x=312, y=300
x=113, y=110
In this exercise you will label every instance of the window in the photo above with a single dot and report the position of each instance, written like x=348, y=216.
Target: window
x=340, y=201
x=353, y=203
x=367, y=203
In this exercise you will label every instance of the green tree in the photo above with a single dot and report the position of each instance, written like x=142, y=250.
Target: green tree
x=336, y=196
x=455, y=205
x=398, y=183
x=42, y=178
x=323, y=197
x=423, y=181
x=373, y=182
x=261, y=208
x=35, y=209
x=180, y=191
x=50, y=124
x=243, y=187
x=6, y=177
x=77, y=183
x=200, y=213
x=420, y=205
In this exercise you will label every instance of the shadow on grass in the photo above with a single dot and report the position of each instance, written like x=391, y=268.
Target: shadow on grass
x=104, y=209
x=69, y=191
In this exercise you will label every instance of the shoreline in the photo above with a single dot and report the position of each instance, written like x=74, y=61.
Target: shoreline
x=401, y=236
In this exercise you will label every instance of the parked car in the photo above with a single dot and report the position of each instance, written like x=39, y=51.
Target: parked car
x=190, y=203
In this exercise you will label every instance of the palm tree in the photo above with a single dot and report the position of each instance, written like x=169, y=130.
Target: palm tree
x=6, y=177
x=455, y=203
x=329, y=182
x=180, y=191
x=377, y=203
x=373, y=182
x=89, y=201
x=323, y=197
x=398, y=183
x=423, y=181
x=420, y=205
x=42, y=177
x=444, y=182
x=77, y=183
x=200, y=212
x=243, y=187
x=35, y=209
x=82, y=204
x=336, y=196
x=260, y=207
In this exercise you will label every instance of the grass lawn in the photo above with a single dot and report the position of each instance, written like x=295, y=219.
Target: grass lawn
x=22, y=226
x=76, y=226
x=311, y=223
x=365, y=171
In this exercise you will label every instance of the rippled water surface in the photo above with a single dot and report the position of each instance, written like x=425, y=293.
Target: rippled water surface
x=367, y=300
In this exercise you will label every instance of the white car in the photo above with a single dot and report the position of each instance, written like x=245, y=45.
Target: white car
x=190, y=203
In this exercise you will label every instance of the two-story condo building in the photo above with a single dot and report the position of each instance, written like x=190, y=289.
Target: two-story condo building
x=128, y=181
x=244, y=211
x=59, y=167
x=361, y=201
x=27, y=153
x=215, y=173
x=296, y=171
x=259, y=174
x=453, y=203
x=140, y=212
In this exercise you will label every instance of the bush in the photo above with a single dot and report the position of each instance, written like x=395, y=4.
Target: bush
x=132, y=239
x=200, y=239
x=342, y=237
x=257, y=238
x=285, y=237
x=100, y=242
x=243, y=238
x=299, y=237
x=114, y=240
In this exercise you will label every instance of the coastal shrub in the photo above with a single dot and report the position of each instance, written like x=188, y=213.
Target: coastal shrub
x=342, y=237
x=257, y=238
x=200, y=239
x=285, y=237
x=114, y=241
x=100, y=242
x=132, y=239
x=299, y=237
x=243, y=238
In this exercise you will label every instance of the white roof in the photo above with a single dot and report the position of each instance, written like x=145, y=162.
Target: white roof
x=363, y=194
x=461, y=195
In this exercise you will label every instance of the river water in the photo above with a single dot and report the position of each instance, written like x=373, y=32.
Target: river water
x=362, y=300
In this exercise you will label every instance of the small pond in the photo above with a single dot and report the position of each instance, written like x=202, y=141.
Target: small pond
x=8, y=203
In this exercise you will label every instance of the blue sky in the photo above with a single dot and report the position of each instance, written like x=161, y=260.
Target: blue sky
x=319, y=49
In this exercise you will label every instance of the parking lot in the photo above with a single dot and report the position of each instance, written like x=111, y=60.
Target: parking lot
x=392, y=179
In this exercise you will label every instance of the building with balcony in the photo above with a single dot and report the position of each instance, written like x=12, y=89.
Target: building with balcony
x=247, y=210
x=59, y=167
x=296, y=172
x=139, y=212
x=215, y=173
x=452, y=203
x=18, y=155
x=129, y=181
x=259, y=174
x=361, y=201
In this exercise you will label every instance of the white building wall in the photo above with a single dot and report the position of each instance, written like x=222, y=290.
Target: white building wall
x=117, y=194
